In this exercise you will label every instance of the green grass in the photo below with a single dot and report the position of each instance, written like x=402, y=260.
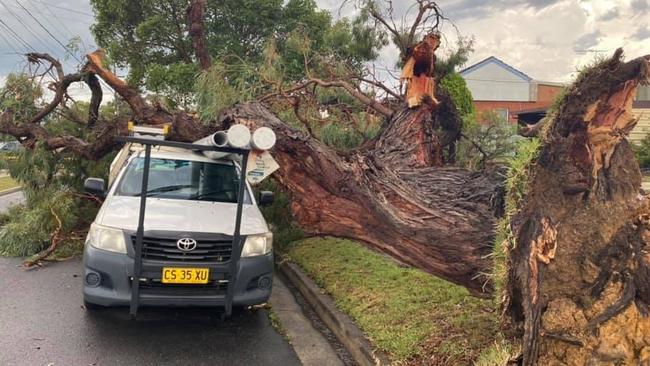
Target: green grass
x=496, y=355
x=6, y=183
x=411, y=315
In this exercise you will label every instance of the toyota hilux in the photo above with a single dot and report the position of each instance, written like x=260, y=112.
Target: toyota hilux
x=187, y=240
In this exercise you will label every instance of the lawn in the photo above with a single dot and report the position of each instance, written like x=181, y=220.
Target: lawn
x=6, y=183
x=413, y=316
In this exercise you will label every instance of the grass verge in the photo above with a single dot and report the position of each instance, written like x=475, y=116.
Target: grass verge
x=7, y=183
x=414, y=317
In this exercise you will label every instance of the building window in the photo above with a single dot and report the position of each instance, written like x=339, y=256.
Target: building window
x=643, y=93
x=503, y=113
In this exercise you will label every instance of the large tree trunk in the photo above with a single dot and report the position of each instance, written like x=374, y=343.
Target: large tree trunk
x=578, y=287
x=388, y=195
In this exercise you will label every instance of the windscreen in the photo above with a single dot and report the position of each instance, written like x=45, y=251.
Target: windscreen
x=183, y=179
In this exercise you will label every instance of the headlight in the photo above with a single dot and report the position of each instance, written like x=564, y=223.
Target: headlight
x=257, y=245
x=105, y=238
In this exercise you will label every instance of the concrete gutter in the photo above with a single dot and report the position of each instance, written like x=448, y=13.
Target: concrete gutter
x=310, y=345
x=339, y=323
x=10, y=191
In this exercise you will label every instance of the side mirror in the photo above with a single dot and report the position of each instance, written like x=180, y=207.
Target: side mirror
x=266, y=198
x=95, y=186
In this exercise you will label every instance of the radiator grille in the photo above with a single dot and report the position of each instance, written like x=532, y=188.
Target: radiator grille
x=159, y=249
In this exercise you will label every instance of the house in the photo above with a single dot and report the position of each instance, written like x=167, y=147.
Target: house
x=515, y=96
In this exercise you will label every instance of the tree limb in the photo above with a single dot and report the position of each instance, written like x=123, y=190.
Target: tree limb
x=95, y=99
x=375, y=105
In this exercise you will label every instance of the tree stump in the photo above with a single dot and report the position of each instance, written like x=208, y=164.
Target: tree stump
x=578, y=284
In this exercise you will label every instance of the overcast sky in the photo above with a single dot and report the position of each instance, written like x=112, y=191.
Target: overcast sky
x=546, y=39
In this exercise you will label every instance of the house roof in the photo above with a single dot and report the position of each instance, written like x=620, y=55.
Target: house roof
x=495, y=60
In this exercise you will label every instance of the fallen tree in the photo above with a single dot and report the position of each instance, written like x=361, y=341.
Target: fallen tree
x=577, y=281
x=392, y=193
x=578, y=284
x=387, y=193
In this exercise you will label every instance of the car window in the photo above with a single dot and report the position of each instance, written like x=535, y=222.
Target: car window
x=183, y=179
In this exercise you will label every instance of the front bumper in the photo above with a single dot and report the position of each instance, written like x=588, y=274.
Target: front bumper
x=115, y=271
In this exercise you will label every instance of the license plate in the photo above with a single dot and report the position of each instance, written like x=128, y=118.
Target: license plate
x=185, y=275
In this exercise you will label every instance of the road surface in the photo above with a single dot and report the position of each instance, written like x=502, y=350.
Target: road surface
x=42, y=322
x=10, y=200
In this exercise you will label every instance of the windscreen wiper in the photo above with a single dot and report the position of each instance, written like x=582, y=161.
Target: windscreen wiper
x=164, y=189
x=202, y=195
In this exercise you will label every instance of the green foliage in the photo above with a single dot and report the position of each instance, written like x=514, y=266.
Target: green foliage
x=493, y=140
x=175, y=81
x=222, y=86
x=346, y=137
x=279, y=216
x=149, y=38
x=456, y=59
x=498, y=354
x=518, y=179
x=519, y=170
x=402, y=310
x=137, y=34
x=455, y=86
x=29, y=230
x=642, y=152
x=51, y=183
x=19, y=94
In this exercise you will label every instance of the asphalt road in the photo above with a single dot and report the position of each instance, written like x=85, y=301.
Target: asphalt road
x=42, y=322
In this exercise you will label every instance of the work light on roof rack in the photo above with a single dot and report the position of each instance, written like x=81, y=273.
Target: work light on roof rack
x=152, y=132
x=240, y=137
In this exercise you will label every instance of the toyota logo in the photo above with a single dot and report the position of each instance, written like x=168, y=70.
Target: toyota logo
x=186, y=244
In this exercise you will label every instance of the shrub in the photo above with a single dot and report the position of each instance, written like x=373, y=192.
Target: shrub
x=494, y=140
x=642, y=153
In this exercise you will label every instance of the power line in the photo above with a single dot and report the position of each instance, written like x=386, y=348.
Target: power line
x=9, y=43
x=67, y=9
x=16, y=36
x=33, y=7
x=19, y=20
x=48, y=32
x=58, y=19
x=61, y=29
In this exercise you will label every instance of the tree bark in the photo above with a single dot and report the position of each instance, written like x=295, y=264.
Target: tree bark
x=578, y=284
x=195, y=15
x=387, y=195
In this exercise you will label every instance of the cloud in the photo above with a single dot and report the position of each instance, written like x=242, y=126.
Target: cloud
x=641, y=34
x=479, y=8
x=609, y=15
x=640, y=6
x=587, y=41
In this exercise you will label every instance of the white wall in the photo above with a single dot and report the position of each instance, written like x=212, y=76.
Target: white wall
x=643, y=93
x=493, y=82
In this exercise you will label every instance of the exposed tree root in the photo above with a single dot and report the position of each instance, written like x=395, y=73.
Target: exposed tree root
x=579, y=263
